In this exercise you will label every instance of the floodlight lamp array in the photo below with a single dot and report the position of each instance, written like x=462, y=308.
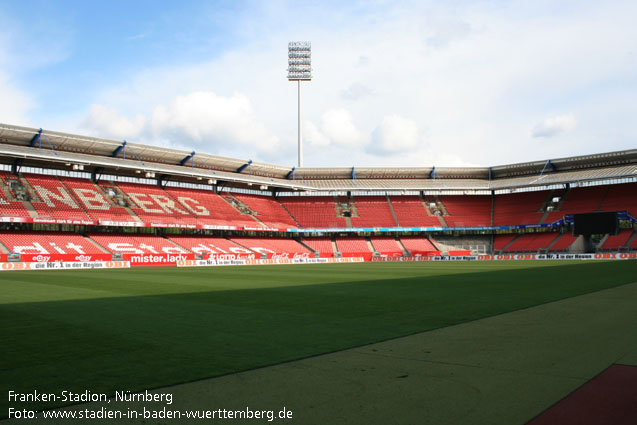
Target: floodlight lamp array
x=299, y=60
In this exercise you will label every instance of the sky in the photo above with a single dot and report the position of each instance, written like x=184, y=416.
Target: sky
x=395, y=83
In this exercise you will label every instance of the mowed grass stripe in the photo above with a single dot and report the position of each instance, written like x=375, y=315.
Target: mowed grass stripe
x=145, y=328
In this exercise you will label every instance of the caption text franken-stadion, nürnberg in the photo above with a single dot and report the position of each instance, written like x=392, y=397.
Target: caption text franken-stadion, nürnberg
x=136, y=412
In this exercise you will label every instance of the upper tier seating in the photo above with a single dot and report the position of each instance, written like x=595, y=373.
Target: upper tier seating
x=386, y=245
x=465, y=210
x=10, y=208
x=373, y=211
x=580, y=200
x=322, y=245
x=94, y=202
x=418, y=245
x=314, y=211
x=47, y=243
x=210, y=208
x=518, y=208
x=411, y=212
x=126, y=243
x=56, y=201
x=154, y=205
x=532, y=242
x=621, y=197
x=269, y=210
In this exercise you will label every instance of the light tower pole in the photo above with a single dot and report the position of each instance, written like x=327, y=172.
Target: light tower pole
x=300, y=69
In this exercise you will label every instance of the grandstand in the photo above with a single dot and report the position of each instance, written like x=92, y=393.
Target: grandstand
x=85, y=194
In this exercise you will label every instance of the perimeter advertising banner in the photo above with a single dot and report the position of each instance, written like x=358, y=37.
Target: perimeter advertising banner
x=516, y=257
x=211, y=262
x=50, y=258
x=65, y=265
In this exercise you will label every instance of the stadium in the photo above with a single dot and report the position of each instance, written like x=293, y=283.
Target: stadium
x=352, y=295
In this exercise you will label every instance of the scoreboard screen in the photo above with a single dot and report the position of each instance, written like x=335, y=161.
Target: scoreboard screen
x=595, y=223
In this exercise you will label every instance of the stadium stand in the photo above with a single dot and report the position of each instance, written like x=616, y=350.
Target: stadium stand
x=411, y=212
x=135, y=243
x=322, y=245
x=353, y=247
x=277, y=246
x=418, y=245
x=532, y=242
x=373, y=211
x=314, y=211
x=621, y=197
x=154, y=205
x=208, y=244
x=501, y=241
x=209, y=208
x=48, y=243
x=58, y=193
x=95, y=202
x=467, y=210
x=53, y=199
x=386, y=245
x=563, y=243
x=614, y=242
x=269, y=211
x=579, y=200
x=9, y=205
x=518, y=208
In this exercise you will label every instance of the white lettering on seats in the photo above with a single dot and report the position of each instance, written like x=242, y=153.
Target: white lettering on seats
x=136, y=197
x=36, y=248
x=167, y=204
x=92, y=199
x=64, y=197
x=196, y=209
x=173, y=250
x=124, y=248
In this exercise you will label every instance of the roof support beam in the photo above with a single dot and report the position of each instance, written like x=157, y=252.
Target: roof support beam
x=549, y=165
x=244, y=166
x=432, y=174
x=163, y=180
x=290, y=175
x=353, y=173
x=121, y=148
x=96, y=175
x=15, y=167
x=37, y=139
x=188, y=158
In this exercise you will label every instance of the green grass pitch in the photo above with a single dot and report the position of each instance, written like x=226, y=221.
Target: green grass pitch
x=150, y=327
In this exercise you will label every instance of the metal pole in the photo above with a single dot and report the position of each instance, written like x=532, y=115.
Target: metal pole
x=300, y=128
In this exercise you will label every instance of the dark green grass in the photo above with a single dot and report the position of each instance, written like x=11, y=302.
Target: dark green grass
x=144, y=328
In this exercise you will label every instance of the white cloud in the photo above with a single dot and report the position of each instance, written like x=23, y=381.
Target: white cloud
x=396, y=134
x=356, y=91
x=338, y=126
x=554, y=126
x=199, y=120
x=313, y=135
x=14, y=102
x=207, y=120
x=104, y=121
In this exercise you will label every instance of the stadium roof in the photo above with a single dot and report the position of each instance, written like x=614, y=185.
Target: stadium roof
x=50, y=149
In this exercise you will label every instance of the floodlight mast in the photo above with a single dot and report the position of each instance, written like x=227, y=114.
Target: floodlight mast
x=300, y=69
